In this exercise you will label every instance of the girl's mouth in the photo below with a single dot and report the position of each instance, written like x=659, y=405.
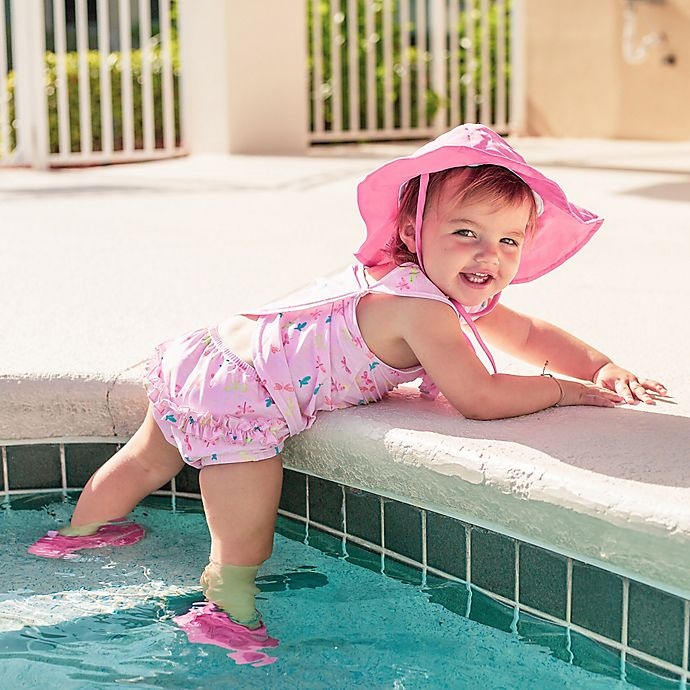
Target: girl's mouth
x=477, y=279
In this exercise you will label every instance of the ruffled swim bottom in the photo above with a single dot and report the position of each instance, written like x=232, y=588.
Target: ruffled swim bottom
x=211, y=404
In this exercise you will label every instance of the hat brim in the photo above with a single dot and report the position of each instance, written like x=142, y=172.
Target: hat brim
x=562, y=229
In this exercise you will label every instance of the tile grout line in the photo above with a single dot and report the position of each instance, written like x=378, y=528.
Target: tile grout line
x=424, y=554
x=383, y=533
x=468, y=569
x=63, y=467
x=5, y=475
x=343, y=522
x=516, y=587
x=569, y=592
x=468, y=554
x=173, y=492
x=67, y=440
x=624, y=625
x=307, y=514
x=686, y=635
x=569, y=608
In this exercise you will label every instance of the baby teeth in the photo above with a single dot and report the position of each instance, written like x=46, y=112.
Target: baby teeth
x=477, y=277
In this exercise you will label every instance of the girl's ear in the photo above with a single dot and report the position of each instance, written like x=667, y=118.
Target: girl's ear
x=407, y=237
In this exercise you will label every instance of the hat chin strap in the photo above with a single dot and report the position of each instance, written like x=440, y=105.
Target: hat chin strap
x=419, y=217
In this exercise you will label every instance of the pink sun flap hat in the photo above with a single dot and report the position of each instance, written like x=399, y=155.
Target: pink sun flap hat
x=562, y=228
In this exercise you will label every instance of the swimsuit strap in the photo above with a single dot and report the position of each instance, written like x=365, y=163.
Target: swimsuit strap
x=469, y=321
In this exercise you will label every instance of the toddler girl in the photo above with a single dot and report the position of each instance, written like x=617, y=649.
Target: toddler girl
x=447, y=229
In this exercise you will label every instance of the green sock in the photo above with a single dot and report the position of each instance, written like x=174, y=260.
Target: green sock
x=81, y=530
x=233, y=589
x=86, y=530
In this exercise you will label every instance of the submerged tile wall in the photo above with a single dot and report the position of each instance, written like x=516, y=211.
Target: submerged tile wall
x=586, y=615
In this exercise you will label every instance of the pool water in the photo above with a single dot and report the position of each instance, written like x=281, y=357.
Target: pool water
x=104, y=619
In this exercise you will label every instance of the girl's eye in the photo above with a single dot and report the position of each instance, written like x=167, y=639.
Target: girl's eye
x=464, y=232
x=510, y=241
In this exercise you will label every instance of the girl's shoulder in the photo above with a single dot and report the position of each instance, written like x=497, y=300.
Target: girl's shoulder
x=406, y=279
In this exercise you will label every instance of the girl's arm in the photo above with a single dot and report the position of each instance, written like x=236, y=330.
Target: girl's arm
x=537, y=342
x=431, y=330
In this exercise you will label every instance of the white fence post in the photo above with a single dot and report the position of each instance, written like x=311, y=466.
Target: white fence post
x=518, y=80
x=28, y=51
x=438, y=26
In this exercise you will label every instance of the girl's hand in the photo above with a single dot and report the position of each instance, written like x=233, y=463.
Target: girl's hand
x=627, y=385
x=580, y=393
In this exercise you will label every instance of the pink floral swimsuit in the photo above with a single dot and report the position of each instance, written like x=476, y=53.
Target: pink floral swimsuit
x=308, y=357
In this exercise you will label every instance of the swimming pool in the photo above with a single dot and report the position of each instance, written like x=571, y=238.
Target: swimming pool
x=344, y=617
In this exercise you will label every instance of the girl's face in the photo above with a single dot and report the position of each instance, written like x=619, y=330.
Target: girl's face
x=471, y=250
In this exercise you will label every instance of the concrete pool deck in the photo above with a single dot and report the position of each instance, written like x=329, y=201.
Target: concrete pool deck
x=96, y=271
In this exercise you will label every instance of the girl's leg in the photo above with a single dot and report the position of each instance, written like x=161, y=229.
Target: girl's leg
x=241, y=504
x=142, y=465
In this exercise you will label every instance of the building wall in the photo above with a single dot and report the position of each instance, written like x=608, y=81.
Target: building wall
x=580, y=85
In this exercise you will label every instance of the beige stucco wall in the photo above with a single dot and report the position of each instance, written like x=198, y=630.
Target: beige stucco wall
x=579, y=84
x=244, y=82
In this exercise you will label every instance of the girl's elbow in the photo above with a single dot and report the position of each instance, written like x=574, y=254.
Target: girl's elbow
x=479, y=415
x=478, y=409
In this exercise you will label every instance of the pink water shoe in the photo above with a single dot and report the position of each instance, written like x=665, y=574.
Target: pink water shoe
x=207, y=624
x=56, y=545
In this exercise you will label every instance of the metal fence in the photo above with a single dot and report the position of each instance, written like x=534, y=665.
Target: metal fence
x=387, y=69
x=87, y=81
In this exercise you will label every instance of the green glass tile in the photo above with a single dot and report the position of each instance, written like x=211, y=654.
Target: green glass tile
x=363, y=557
x=34, y=466
x=291, y=529
x=83, y=459
x=187, y=480
x=594, y=656
x=656, y=623
x=648, y=676
x=363, y=512
x=493, y=562
x=451, y=595
x=302, y=577
x=543, y=580
x=597, y=600
x=488, y=611
x=401, y=571
x=445, y=545
x=403, y=529
x=187, y=505
x=293, y=498
x=324, y=542
x=43, y=501
x=326, y=503
x=544, y=634
x=162, y=503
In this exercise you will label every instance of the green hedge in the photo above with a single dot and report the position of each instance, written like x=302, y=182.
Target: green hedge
x=432, y=100
x=115, y=68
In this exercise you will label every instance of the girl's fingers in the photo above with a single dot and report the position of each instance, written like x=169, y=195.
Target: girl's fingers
x=655, y=386
x=626, y=389
x=603, y=397
x=641, y=393
x=640, y=390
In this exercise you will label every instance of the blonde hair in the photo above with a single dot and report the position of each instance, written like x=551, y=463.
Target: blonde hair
x=492, y=183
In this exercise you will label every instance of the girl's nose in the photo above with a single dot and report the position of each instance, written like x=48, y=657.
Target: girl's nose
x=487, y=253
